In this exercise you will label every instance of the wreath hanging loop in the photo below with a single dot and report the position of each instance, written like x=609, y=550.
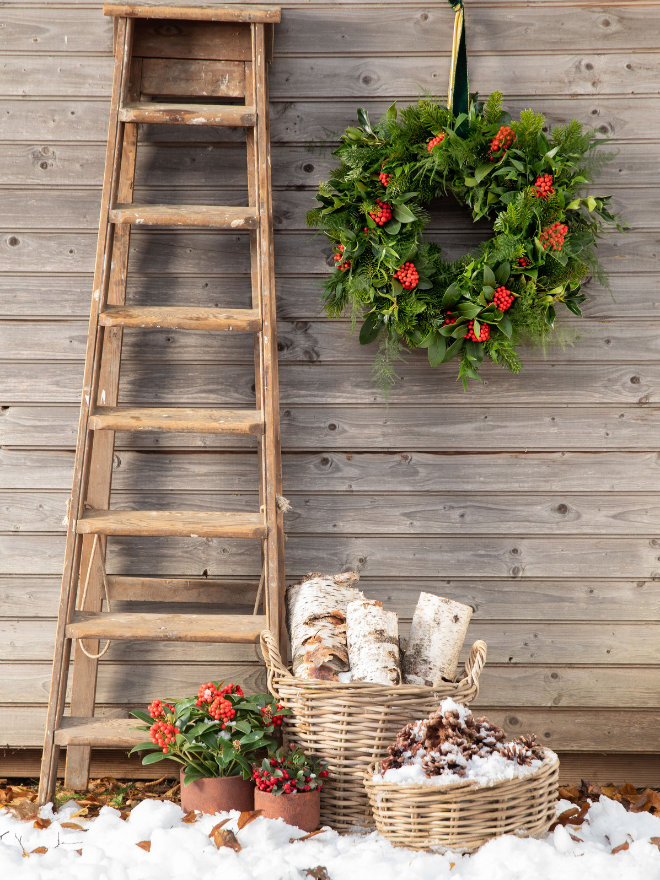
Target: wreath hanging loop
x=532, y=186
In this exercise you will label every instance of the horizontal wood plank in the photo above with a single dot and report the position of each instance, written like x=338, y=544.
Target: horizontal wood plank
x=189, y=523
x=216, y=628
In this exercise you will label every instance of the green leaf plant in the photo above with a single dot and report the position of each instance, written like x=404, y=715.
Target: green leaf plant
x=529, y=182
x=213, y=734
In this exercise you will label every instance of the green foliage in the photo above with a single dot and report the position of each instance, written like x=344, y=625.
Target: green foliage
x=498, y=184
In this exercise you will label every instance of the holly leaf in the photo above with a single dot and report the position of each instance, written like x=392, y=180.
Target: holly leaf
x=403, y=213
x=489, y=277
x=451, y=296
x=437, y=350
x=363, y=119
x=370, y=329
x=481, y=172
x=469, y=310
x=355, y=134
x=574, y=205
x=424, y=285
x=506, y=326
x=142, y=716
x=391, y=113
x=475, y=352
x=550, y=316
x=154, y=757
x=453, y=349
x=397, y=287
x=392, y=227
x=502, y=273
x=470, y=181
x=371, y=223
x=572, y=306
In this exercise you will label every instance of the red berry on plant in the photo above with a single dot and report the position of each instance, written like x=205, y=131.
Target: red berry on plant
x=438, y=139
x=503, y=298
x=543, y=186
x=484, y=332
x=382, y=214
x=407, y=275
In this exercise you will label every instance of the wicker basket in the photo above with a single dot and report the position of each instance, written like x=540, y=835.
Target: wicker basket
x=351, y=725
x=464, y=816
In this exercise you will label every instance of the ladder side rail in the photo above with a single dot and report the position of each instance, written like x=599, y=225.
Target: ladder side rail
x=255, y=270
x=85, y=668
x=272, y=441
x=61, y=657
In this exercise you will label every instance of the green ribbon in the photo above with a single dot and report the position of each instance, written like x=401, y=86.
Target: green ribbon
x=458, y=99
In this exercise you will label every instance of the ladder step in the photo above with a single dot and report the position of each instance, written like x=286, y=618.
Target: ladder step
x=180, y=318
x=173, y=523
x=177, y=420
x=100, y=733
x=207, y=216
x=241, y=13
x=243, y=629
x=233, y=115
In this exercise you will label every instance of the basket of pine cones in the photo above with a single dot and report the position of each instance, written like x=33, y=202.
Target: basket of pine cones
x=452, y=781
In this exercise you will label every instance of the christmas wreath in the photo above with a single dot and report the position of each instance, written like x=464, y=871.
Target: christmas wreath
x=529, y=184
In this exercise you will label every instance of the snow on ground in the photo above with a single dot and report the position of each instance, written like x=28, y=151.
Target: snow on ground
x=109, y=851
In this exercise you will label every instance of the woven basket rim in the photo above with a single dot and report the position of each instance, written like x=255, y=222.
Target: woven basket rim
x=344, y=687
x=548, y=764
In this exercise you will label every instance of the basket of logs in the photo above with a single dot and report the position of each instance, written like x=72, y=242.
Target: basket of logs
x=350, y=692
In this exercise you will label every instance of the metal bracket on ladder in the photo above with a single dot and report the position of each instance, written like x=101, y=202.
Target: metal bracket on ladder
x=233, y=42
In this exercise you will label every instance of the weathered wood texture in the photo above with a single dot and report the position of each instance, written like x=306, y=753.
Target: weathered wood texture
x=532, y=498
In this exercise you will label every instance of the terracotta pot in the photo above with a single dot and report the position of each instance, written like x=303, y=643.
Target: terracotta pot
x=217, y=795
x=301, y=809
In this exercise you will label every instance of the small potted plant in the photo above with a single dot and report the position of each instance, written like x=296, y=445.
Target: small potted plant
x=289, y=787
x=213, y=736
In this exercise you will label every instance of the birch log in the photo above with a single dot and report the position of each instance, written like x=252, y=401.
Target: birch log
x=373, y=643
x=436, y=637
x=316, y=618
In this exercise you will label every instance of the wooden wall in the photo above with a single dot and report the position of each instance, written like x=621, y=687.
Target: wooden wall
x=533, y=497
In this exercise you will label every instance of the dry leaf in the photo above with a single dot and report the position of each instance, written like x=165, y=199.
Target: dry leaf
x=40, y=850
x=318, y=873
x=83, y=812
x=569, y=793
x=224, y=837
x=145, y=845
x=79, y=851
x=191, y=816
x=218, y=827
x=566, y=817
x=248, y=816
x=308, y=836
x=155, y=782
x=41, y=823
x=649, y=800
x=124, y=814
x=621, y=848
x=576, y=839
x=629, y=791
x=656, y=841
x=451, y=865
x=73, y=825
x=23, y=810
x=610, y=791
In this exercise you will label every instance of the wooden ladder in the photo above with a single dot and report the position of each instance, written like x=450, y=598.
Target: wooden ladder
x=173, y=53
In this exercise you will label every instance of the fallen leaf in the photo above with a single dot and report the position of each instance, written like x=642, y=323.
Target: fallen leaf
x=124, y=814
x=248, y=816
x=308, y=836
x=73, y=825
x=451, y=865
x=23, y=810
x=649, y=800
x=191, y=816
x=216, y=827
x=318, y=873
x=629, y=791
x=83, y=812
x=41, y=823
x=569, y=793
x=621, y=848
x=145, y=845
x=224, y=837
x=88, y=800
x=565, y=818
x=656, y=841
x=40, y=850
x=610, y=791
x=155, y=782
x=79, y=851
x=576, y=839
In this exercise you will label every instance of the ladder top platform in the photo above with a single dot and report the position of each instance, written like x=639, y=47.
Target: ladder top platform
x=194, y=12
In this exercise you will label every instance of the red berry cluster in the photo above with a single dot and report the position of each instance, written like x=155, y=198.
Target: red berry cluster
x=382, y=214
x=438, y=139
x=543, y=186
x=163, y=734
x=502, y=140
x=407, y=275
x=503, y=299
x=553, y=237
x=484, y=332
x=523, y=262
x=266, y=781
x=343, y=265
x=385, y=178
x=209, y=692
x=449, y=319
x=157, y=711
x=268, y=717
x=222, y=710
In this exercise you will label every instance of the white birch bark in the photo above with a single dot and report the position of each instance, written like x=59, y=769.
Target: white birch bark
x=316, y=619
x=373, y=643
x=436, y=637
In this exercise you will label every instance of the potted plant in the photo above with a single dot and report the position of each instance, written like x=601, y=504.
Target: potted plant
x=213, y=736
x=289, y=787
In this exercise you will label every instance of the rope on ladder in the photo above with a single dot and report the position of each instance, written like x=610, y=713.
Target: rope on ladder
x=107, y=598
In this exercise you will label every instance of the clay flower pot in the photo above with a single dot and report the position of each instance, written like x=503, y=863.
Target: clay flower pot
x=217, y=795
x=301, y=809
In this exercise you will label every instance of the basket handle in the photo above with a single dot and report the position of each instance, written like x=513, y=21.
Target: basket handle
x=273, y=658
x=475, y=664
